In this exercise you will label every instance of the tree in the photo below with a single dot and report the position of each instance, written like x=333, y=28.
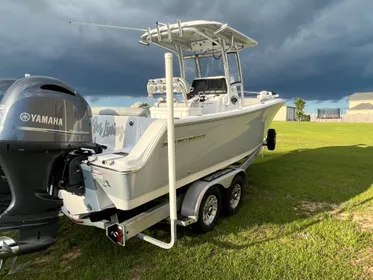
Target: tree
x=306, y=118
x=299, y=106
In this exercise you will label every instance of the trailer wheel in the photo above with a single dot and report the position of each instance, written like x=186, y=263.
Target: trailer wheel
x=233, y=196
x=271, y=139
x=209, y=211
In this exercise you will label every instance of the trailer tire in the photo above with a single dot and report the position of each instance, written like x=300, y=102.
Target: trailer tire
x=271, y=139
x=233, y=196
x=209, y=211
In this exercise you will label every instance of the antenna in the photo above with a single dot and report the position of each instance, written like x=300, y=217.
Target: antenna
x=108, y=26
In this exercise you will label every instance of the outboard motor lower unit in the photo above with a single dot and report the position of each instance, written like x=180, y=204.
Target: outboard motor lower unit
x=42, y=121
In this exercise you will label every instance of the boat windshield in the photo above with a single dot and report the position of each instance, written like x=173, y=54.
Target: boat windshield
x=209, y=67
x=212, y=66
x=190, y=70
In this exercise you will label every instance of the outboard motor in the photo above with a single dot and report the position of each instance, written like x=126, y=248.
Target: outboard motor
x=43, y=121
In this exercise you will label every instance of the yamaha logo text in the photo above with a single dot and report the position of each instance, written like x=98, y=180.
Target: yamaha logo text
x=25, y=117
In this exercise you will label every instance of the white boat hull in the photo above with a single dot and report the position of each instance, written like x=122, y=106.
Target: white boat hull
x=203, y=145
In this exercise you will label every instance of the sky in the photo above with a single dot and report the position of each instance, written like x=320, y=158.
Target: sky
x=319, y=50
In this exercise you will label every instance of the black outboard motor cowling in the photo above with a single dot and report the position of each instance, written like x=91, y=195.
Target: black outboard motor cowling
x=42, y=120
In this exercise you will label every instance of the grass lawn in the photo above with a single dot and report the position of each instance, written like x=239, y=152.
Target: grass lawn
x=307, y=214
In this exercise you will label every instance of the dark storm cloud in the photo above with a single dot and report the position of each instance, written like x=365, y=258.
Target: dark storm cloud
x=319, y=50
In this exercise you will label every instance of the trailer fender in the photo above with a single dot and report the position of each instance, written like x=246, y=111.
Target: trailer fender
x=193, y=197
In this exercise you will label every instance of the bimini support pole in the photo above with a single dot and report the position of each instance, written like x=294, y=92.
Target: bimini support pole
x=171, y=159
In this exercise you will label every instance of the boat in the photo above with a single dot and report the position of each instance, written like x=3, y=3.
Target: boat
x=108, y=166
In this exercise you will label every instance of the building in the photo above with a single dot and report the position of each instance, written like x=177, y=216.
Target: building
x=360, y=109
x=329, y=113
x=360, y=103
x=286, y=113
